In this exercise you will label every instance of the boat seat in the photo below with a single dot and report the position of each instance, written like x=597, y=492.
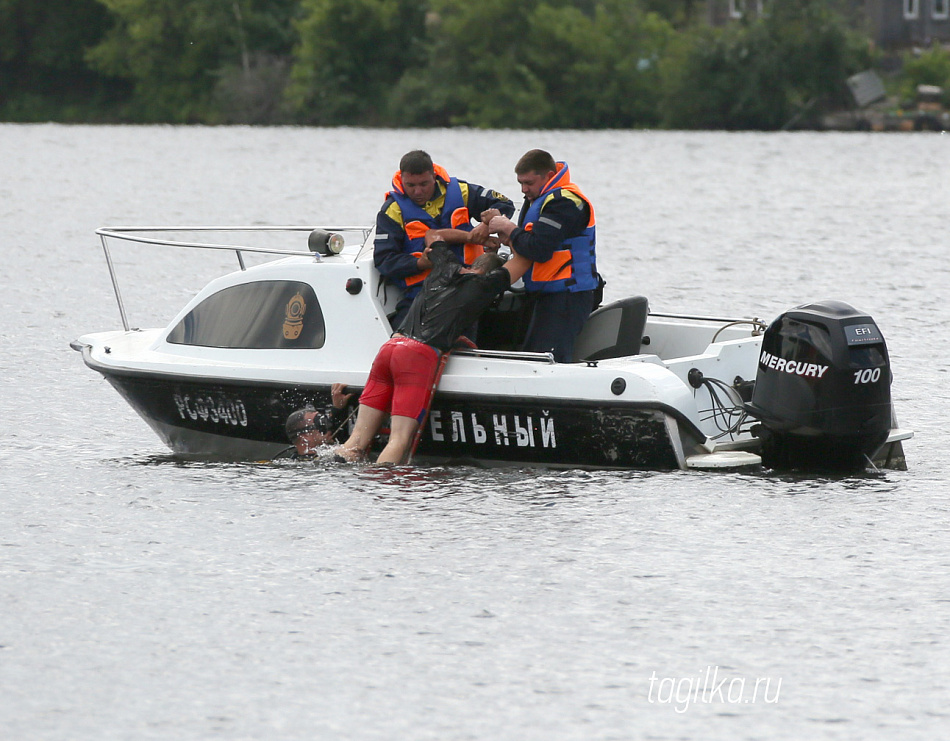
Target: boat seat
x=504, y=325
x=613, y=331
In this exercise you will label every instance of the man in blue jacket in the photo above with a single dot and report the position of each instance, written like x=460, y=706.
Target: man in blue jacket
x=425, y=197
x=555, y=230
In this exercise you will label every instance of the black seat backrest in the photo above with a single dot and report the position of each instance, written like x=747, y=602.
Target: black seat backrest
x=504, y=325
x=613, y=331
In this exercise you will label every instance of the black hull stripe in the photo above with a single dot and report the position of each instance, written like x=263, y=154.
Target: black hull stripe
x=512, y=430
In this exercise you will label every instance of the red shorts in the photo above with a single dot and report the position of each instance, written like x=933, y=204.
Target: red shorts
x=400, y=381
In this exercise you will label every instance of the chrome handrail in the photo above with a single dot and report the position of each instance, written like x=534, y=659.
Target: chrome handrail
x=700, y=318
x=537, y=357
x=121, y=232
x=125, y=233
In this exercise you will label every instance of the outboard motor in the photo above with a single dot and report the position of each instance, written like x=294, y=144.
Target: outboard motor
x=823, y=389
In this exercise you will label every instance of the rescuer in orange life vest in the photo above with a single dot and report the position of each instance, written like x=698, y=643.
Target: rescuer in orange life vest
x=556, y=231
x=425, y=197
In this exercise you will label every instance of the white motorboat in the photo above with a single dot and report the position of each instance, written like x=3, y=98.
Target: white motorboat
x=647, y=390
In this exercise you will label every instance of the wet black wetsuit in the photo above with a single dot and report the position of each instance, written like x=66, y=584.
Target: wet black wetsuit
x=450, y=301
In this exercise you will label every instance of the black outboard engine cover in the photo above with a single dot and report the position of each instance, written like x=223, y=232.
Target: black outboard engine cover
x=823, y=389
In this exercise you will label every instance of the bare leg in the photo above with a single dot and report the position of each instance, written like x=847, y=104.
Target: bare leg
x=368, y=422
x=401, y=432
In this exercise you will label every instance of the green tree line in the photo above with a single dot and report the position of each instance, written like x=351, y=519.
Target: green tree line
x=494, y=63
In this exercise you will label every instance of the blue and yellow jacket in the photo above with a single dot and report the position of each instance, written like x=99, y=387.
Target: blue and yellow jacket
x=555, y=233
x=401, y=225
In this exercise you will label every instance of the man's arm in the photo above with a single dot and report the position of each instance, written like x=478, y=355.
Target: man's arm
x=459, y=236
x=342, y=405
x=560, y=219
x=389, y=247
x=437, y=251
x=517, y=266
x=481, y=200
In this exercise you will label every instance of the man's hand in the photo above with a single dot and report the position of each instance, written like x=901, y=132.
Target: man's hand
x=489, y=214
x=432, y=236
x=502, y=226
x=337, y=395
x=479, y=234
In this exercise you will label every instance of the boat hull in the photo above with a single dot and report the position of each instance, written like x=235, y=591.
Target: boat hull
x=216, y=418
x=551, y=433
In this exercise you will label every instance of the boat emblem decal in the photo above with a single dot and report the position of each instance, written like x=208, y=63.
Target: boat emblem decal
x=293, y=321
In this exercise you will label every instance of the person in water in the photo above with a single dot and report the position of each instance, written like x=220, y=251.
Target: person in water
x=424, y=197
x=308, y=429
x=451, y=298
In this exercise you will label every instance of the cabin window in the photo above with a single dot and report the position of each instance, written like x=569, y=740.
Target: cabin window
x=911, y=9
x=264, y=315
x=941, y=9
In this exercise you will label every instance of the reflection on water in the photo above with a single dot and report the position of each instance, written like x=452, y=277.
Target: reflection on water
x=318, y=600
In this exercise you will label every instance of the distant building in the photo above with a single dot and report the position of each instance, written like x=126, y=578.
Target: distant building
x=891, y=24
x=720, y=12
x=902, y=23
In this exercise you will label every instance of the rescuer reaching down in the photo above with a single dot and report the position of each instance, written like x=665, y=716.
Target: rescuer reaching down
x=556, y=231
x=425, y=197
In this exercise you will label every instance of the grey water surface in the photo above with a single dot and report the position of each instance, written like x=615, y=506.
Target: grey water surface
x=144, y=597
